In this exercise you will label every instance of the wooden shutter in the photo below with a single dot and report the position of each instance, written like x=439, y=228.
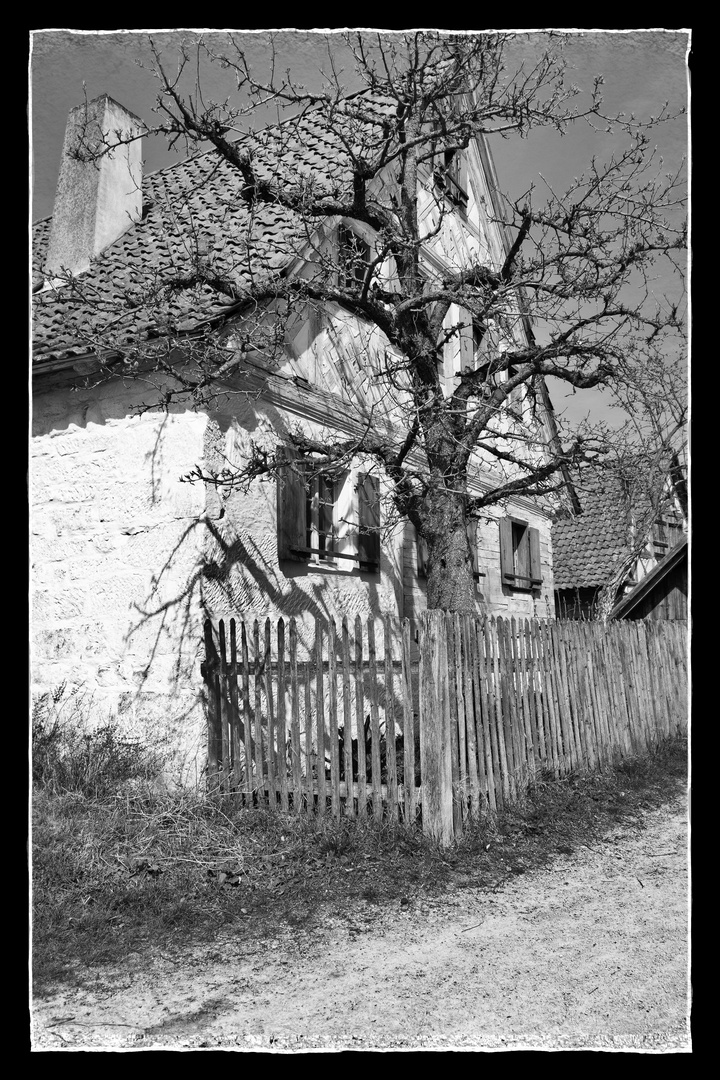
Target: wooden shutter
x=521, y=553
x=369, y=517
x=507, y=564
x=535, y=567
x=291, y=510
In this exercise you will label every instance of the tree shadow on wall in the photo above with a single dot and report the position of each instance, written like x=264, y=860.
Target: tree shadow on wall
x=213, y=588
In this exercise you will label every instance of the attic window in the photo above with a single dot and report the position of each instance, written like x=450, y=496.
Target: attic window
x=353, y=258
x=451, y=178
x=666, y=533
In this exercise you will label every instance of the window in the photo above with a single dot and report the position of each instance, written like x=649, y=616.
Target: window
x=666, y=533
x=328, y=518
x=519, y=554
x=451, y=177
x=353, y=258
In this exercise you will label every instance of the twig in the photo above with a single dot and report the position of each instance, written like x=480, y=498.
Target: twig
x=639, y=882
x=660, y=854
x=473, y=927
x=594, y=989
x=95, y=1023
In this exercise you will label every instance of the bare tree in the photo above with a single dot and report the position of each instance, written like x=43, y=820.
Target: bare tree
x=570, y=294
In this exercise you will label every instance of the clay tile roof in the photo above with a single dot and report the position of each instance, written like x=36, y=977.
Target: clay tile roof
x=200, y=195
x=587, y=548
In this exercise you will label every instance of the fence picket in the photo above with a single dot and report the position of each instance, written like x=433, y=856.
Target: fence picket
x=347, y=763
x=476, y=682
x=491, y=712
x=309, y=801
x=457, y=732
x=516, y=709
x=360, y=720
x=224, y=713
x=374, y=724
x=333, y=719
x=281, y=751
x=408, y=727
x=235, y=723
x=250, y=729
x=320, y=717
x=469, y=756
x=604, y=691
x=267, y=672
x=530, y=674
x=568, y=682
x=214, y=729
x=523, y=697
x=294, y=740
x=390, y=750
x=257, y=690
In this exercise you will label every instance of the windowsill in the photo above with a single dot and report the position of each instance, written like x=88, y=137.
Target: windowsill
x=331, y=567
x=523, y=588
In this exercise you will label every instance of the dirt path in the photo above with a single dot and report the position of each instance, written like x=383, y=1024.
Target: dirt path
x=590, y=952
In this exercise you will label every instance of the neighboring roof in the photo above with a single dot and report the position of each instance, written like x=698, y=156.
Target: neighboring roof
x=650, y=581
x=199, y=196
x=588, y=547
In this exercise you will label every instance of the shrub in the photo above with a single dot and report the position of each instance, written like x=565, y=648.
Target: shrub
x=69, y=754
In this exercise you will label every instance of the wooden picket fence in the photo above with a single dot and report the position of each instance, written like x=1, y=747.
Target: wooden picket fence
x=505, y=702
x=445, y=721
x=281, y=699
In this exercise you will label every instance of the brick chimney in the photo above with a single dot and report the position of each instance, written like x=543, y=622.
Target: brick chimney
x=95, y=202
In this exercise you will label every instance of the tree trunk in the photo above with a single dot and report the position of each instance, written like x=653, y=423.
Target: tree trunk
x=450, y=582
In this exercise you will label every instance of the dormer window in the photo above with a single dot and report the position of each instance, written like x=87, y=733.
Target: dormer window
x=353, y=258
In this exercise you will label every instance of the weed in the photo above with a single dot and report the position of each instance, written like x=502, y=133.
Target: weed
x=70, y=754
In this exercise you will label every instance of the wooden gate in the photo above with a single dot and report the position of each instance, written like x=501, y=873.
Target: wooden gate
x=314, y=717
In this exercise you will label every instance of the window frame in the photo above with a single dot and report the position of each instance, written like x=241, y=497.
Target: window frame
x=304, y=528
x=451, y=178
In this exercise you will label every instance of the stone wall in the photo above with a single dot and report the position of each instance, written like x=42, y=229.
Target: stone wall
x=127, y=561
x=116, y=548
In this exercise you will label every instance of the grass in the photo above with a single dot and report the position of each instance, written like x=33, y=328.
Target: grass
x=71, y=754
x=126, y=873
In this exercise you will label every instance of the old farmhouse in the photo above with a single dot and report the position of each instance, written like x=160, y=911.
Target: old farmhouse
x=127, y=558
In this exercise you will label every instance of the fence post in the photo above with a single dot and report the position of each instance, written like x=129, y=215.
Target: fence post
x=435, y=757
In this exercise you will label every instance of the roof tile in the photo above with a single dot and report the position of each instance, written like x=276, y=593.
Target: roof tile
x=204, y=193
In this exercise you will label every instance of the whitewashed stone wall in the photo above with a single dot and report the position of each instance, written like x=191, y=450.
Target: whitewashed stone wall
x=116, y=549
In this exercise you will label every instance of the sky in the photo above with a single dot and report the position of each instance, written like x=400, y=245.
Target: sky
x=641, y=69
